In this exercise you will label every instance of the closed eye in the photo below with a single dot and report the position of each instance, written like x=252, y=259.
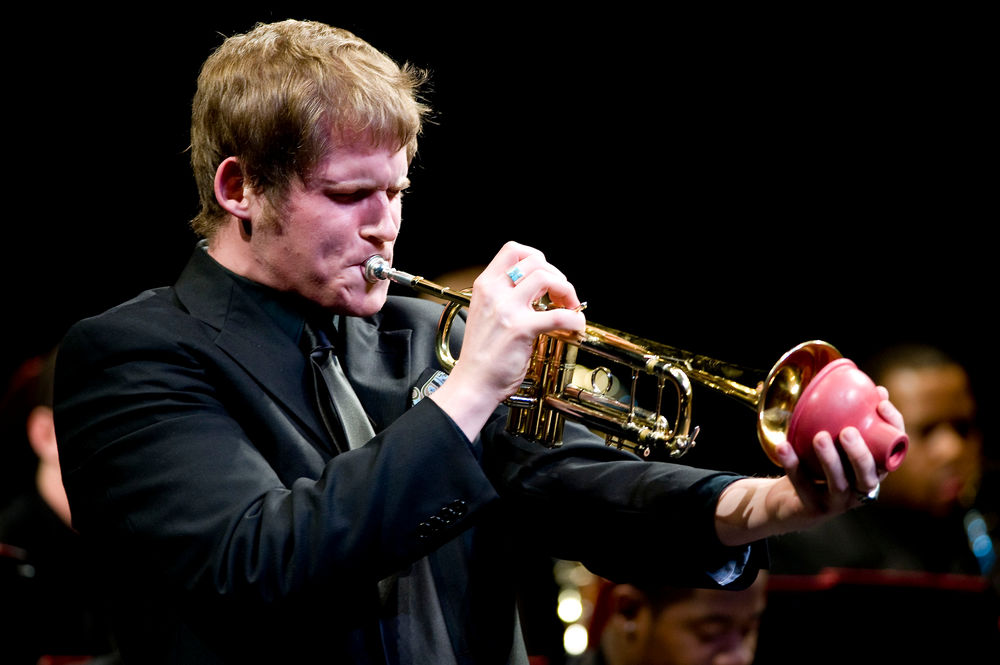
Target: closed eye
x=352, y=196
x=357, y=195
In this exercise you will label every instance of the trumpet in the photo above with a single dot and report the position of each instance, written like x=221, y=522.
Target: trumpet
x=551, y=390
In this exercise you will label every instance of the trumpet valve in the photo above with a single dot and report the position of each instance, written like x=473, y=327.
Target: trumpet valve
x=681, y=444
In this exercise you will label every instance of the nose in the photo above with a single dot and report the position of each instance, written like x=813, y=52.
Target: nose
x=382, y=223
x=738, y=651
x=742, y=655
x=947, y=444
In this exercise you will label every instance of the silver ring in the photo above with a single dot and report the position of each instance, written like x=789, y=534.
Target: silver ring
x=870, y=496
x=515, y=274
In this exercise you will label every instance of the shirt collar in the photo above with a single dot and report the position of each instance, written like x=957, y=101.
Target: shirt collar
x=288, y=310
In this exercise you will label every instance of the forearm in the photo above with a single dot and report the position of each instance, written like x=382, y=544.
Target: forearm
x=755, y=508
x=752, y=509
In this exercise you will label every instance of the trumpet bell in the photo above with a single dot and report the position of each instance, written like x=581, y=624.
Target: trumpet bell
x=783, y=388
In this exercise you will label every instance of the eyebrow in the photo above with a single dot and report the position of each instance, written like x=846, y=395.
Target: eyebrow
x=726, y=618
x=364, y=183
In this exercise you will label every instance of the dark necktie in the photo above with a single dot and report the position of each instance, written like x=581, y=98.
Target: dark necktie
x=342, y=412
x=413, y=624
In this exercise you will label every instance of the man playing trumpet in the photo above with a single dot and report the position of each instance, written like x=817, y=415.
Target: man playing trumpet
x=243, y=517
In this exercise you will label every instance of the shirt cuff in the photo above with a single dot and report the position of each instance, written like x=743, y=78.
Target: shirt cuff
x=731, y=570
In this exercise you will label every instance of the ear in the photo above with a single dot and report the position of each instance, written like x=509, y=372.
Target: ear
x=627, y=600
x=231, y=190
x=42, y=434
x=630, y=623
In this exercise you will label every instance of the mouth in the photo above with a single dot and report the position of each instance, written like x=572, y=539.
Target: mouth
x=373, y=268
x=951, y=488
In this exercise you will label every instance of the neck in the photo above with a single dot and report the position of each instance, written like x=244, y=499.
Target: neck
x=231, y=248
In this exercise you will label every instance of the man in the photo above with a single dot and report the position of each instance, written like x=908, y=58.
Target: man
x=945, y=461
x=241, y=521
x=50, y=604
x=670, y=626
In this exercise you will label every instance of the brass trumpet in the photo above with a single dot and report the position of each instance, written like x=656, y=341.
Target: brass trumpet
x=549, y=393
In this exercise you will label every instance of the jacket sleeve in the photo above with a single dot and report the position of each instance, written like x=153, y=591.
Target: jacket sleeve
x=627, y=519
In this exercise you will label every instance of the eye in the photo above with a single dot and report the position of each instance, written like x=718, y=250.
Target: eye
x=964, y=427
x=357, y=195
x=711, y=630
x=352, y=196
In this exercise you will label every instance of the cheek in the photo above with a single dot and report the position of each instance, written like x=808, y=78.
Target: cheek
x=322, y=252
x=917, y=463
x=396, y=214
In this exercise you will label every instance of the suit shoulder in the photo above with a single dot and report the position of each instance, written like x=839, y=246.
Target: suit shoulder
x=153, y=315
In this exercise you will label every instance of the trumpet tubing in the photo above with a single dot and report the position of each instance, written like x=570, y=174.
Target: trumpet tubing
x=551, y=391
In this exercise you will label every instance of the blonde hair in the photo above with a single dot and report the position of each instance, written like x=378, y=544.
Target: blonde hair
x=279, y=97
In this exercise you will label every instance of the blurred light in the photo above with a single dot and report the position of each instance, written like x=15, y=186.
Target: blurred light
x=975, y=525
x=980, y=541
x=575, y=639
x=572, y=574
x=570, y=607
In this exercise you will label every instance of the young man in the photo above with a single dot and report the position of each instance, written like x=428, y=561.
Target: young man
x=242, y=520
x=670, y=626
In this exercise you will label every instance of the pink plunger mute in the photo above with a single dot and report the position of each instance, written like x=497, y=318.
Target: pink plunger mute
x=841, y=395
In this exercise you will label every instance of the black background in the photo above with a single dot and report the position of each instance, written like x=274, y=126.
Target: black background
x=727, y=182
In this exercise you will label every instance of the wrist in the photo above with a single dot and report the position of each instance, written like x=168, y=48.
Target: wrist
x=469, y=407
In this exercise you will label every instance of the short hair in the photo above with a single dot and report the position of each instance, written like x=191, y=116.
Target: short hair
x=907, y=356
x=279, y=97
x=661, y=597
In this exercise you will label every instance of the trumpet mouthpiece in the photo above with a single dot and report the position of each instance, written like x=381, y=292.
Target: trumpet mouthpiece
x=375, y=268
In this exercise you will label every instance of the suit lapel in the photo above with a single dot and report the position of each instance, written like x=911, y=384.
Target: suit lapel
x=377, y=363
x=250, y=337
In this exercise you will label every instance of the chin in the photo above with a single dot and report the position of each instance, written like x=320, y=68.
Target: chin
x=366, y=304
x=367, y=311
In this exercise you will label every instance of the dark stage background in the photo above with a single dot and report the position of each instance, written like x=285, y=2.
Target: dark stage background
x=728, y=183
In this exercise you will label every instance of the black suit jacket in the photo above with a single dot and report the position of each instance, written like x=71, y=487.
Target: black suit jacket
x=230, y=532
